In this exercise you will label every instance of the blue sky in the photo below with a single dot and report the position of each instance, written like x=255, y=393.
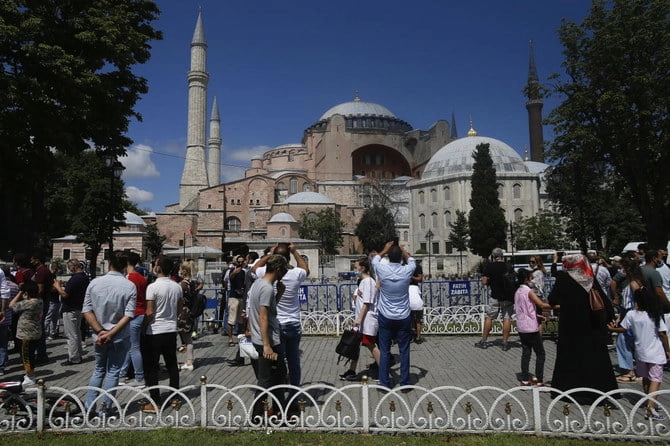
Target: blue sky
x=276, y=67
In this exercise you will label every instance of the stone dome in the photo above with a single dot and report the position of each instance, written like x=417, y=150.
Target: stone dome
x=308, y=198
x=282, y=217
x=536, y=167
x=456, y=158
x=358, y=108
x=133, y=219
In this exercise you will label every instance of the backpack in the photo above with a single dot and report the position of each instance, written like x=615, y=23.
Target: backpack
x=194, y=300
x=509, y=284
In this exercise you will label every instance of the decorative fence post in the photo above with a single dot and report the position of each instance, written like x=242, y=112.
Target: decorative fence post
x=365, y=405
x=203, y=401
x=41, y=390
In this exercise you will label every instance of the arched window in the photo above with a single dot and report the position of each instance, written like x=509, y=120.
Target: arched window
x=293, y=184
x=422, y=198
x=518, y=215
x=281, y=186
x=405, y=235
x=433, y=195
x=447, y=193
x=422, y=221
x=233, y=224
x=447, y=219
x=306, y=187
x=433, y=220
x=516, y=191
x=501, y=191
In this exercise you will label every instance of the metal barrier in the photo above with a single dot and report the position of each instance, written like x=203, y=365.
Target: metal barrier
x=361, y=407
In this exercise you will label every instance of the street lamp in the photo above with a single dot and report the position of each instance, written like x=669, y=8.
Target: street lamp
x=115, y=170
x=429, y=236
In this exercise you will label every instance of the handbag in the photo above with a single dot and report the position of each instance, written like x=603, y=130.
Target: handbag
x=349, y=346
x=598, y=312
x=247, y=349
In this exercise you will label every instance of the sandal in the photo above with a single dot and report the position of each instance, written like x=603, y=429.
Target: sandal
x=231, y=344
x=628, y=379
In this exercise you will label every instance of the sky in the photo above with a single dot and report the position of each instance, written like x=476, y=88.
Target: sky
x=276, y=67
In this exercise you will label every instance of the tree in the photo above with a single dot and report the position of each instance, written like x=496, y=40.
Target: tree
x=325, y=226
x=375, y=228
x=541, y=231
x=153, y=240
x=615, y=110
x=67, y=85
x=488, y=228
x=458, y=237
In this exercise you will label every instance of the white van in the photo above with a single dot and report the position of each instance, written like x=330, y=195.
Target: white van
x=632, y=246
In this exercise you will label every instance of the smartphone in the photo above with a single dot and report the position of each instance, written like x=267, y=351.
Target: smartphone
x=560, y=254
x=396, y=240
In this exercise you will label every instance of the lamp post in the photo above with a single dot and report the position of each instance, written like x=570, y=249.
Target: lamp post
x=429, y=236
x=115, y=170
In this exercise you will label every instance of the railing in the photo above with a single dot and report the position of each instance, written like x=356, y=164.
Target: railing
x=361, y=407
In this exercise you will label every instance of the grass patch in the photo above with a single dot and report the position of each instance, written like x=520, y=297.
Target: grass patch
x=205, y=437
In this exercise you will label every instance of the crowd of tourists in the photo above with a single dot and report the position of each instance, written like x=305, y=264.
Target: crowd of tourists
x=135, y=317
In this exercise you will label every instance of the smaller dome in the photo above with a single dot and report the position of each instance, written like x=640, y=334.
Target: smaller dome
x=536, y=167
x=308, y=198
x=133, y=219
x=282, y=217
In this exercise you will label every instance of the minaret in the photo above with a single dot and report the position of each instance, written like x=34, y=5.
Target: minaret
x=214, y=143
x=534, y=107
x=454, y=132
x=194, y=176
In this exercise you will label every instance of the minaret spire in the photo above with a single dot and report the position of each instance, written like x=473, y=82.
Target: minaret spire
x=534, y=106
x=194, y=176
x=214, y=143
x=454, y=132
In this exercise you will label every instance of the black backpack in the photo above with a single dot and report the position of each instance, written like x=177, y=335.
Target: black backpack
x=195, y=300
x=509, y=284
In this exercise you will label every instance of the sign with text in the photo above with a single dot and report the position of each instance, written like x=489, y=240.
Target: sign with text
x=459, y=288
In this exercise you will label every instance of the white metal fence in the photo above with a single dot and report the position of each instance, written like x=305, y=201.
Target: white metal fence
x=360, y=407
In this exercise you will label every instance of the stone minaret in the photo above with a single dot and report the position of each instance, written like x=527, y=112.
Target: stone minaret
x=534, y=107
x=214, y=143
x=194, y=176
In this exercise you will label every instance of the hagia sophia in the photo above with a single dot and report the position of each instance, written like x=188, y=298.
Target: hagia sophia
x=353, y=155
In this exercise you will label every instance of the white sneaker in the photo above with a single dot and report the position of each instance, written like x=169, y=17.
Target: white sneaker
x=134, y=383
x=187, y=367
x=27, y=382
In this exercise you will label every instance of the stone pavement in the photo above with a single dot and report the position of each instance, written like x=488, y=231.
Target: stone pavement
x=441, y=360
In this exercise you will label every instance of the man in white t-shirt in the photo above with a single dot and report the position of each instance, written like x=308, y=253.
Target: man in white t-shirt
x=164, y=302
x=288, y=307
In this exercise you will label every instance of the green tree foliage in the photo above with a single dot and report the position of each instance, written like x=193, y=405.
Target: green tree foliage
x=488, y=227
x=375, y=228
x=153, y=240
x=325, y=226
x=613, y=126
x=458, y=237
x=542, y=231
x=67, y=85
x=83, y=196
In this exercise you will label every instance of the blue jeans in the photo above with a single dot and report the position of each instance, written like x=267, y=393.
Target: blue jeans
x=134, y=354
x=108, y=360
x=4, y=339
x=401, y=331
x=625, y=347
x=290, y=348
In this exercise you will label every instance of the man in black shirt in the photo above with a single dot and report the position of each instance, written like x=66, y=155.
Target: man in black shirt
x=500, y=301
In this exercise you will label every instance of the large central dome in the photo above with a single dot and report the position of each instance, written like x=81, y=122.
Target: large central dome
x=358, y=108
x=456, y=158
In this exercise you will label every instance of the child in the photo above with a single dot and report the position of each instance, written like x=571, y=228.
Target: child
x=526, y=303
x=646, y=321
x=28, y=305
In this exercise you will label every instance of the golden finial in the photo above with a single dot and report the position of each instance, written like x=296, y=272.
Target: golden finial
x=525, y=153
x=472, y=131
x=356, y=98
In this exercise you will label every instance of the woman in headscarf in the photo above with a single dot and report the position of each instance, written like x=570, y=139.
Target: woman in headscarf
x=582, y=359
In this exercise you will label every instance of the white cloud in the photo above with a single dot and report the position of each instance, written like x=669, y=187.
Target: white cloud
x=138, y=162
x=246, y=153
x=138, y=195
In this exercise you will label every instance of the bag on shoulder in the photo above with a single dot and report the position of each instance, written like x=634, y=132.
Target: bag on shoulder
x=598, y=311
x=509, y=284
x=198, y=304
x=349, y=346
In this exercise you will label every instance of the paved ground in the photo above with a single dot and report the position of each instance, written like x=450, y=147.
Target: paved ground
x=441, y=360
